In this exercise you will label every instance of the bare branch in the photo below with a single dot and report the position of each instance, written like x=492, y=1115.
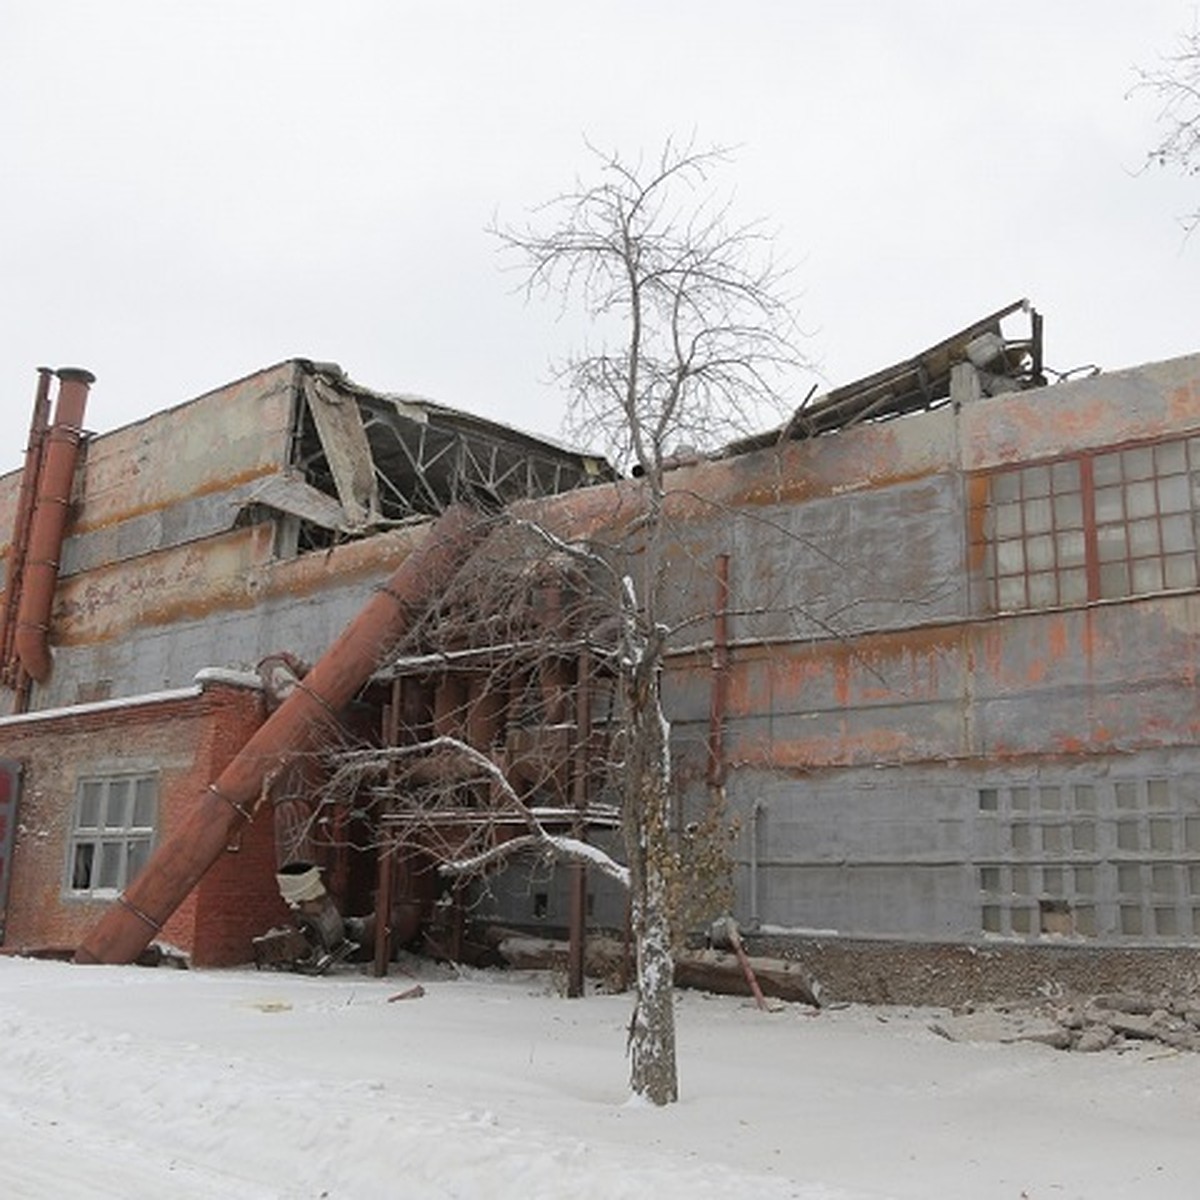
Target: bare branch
x=1175, y=83
x=706, y=341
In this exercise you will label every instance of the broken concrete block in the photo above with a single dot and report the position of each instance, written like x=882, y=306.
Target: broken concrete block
x=1070, y=1016
x=1095, y=1037
x=1046, y=1033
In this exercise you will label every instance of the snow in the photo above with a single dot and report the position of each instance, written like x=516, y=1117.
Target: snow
x=573, y=848
x=121, y=1081
x=244, y=679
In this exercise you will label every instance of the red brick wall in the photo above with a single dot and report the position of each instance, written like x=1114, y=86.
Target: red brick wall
x=187, y=740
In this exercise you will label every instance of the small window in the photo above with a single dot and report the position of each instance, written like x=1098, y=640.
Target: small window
x=112, y=832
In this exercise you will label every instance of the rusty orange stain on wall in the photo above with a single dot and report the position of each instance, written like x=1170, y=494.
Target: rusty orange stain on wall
x=829, y=750
x=224, y=484
x=1183, y=407
x=232, y=572
x=874, y=669
x=841, y=681
x=978, y=491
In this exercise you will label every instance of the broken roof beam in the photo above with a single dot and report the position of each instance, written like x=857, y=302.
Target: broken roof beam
x=916, y=384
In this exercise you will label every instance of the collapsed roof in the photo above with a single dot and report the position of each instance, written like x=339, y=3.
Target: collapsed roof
x=364, y=460
x=922, y=382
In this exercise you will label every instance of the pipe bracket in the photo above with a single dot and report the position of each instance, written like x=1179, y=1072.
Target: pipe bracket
x=137, y=912
x=315, y=695
x=241, y=810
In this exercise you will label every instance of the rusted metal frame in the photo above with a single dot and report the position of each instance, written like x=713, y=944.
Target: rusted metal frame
x=469, y=470
x=470, y=463
x=386, y=852
x=407, y=501
x=1036, y=369
x=498, y=478
x=184, y=857
x=417, y=473
x=924, y=385
x=903, y=379
x=1021, y=501
x=989, y=539
x=577, y=930
x=718, y=694
x=423, y=462
x=421, y=478
x=399, y=499
x=848, y=412
x=19, y=543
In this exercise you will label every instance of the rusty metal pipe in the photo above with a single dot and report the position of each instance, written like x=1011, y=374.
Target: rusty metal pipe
x=49, y=523
x=720, y=676
x=19, y=543
x=226, y=805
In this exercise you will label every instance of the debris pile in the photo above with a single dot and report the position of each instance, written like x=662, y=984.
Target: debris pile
x=1109, y=1021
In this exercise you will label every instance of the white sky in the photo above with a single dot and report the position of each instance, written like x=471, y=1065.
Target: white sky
x=194, y=190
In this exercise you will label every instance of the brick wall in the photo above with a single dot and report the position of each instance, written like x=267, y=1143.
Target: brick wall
x=187, y=739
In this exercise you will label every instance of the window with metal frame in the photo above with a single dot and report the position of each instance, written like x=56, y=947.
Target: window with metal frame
x=1098, y=525
x=112, y=831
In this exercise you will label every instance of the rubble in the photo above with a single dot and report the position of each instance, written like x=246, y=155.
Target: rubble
x=1102, y=1022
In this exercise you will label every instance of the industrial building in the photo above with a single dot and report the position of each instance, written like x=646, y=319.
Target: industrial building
x=936, y=644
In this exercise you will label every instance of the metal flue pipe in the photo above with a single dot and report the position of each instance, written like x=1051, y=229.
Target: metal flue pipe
x=227, y=804
x=49, y=523
x=19, y=542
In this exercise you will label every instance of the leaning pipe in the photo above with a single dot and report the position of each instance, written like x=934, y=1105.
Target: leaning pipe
x=226, y=805
x=49, y=523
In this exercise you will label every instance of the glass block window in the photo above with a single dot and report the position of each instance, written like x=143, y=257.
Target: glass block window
x=112, y=832
x=1096, y=526
x=1111, y=858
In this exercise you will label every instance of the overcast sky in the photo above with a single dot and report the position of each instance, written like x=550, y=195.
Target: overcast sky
x=195, y=190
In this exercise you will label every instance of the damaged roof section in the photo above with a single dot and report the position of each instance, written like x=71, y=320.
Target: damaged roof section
x=999, y=364
x=363, y=460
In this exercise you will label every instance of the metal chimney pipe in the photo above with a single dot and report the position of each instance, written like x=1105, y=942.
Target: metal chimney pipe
x=49, y=523
x=18, y=546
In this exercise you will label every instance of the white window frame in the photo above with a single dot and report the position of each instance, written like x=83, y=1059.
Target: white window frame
x=114, y=822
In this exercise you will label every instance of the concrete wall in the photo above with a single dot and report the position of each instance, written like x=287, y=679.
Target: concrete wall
x=873, y=697
x=151, y=542
x=153, y=622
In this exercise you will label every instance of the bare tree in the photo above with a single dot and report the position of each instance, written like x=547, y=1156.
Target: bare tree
x=1176, y=85
x=696, y=334
x=486, y=764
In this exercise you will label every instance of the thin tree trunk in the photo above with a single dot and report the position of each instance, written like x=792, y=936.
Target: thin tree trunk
x=646, y=829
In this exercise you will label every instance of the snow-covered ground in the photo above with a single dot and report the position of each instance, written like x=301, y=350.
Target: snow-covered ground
x=119, y=1081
